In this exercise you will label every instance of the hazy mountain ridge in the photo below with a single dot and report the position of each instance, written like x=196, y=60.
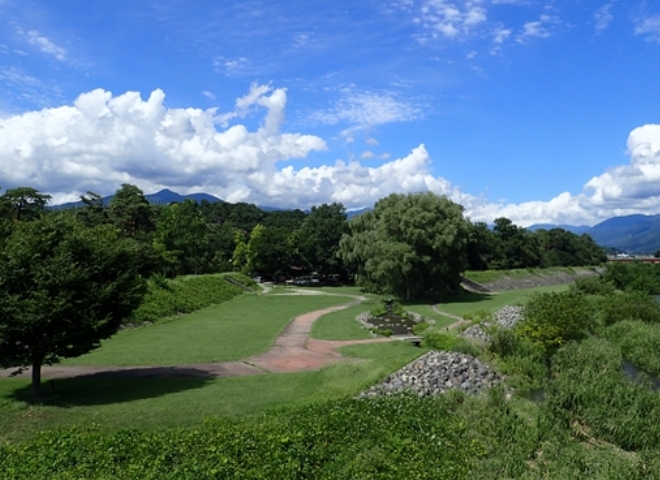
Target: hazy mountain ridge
x=630, y=233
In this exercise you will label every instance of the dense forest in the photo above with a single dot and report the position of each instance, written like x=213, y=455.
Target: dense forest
x=191, y=238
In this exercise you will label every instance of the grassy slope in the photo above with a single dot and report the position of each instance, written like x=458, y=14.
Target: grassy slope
x=175, y=402
x=230, y=331
x=486, y=276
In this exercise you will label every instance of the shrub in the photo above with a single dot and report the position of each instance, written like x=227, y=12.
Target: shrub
x=552, y=319
x=386, y=438
x=166, y=298
x=439, y=341
x=639, y=343
x=420, y=327
x=593, y=286
x=629, y=306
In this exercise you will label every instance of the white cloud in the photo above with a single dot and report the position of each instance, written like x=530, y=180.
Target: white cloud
x=649, y=27
x=603, y=17
x=445, y=18
x=34, y=38
x=371, y=141
x=366, y=108
x=500, y=34
x=544, y=27
x=208, y=95
x=103, y=140
x=230, y=66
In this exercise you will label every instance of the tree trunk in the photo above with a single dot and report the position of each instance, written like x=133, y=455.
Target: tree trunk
x=36, y=377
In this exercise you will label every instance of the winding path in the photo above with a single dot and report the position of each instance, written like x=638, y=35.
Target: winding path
x=293, y=351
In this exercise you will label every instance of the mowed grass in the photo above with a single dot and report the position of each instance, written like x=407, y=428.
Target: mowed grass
x=230, y=331
x=157, y=403
x=471, y=302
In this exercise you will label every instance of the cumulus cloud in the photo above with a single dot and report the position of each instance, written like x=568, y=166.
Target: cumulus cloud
x=103, y=140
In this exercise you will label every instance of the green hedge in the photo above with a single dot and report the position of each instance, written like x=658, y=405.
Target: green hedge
x=391, y=438
x=186, y=294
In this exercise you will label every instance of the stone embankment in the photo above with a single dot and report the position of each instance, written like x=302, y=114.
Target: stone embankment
x=540, y=280
x=438, y=372
x=507, y=317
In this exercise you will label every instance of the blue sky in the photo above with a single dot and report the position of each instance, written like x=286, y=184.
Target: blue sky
x=538, y=111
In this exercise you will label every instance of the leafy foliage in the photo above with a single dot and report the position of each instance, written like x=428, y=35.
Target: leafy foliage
x=639, y=343
x=63, y=288
x=628, y=306
x=184, y=295
x=409, y=245
x=396, y=437
x=553, y=319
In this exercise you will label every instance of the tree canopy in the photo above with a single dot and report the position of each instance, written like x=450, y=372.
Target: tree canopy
x=409, y=245
x=63, y=289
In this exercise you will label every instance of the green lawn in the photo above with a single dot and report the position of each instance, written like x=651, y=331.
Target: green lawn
x=342, y=325
x=470, y=302
x=151, y=403
x=230, y=331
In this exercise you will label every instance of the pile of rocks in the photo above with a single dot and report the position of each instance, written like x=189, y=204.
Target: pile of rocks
x=438, y=372
x=506, y=317
x=369, y=321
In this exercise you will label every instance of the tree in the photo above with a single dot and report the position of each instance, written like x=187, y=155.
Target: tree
x=23, y=203
x=409, y=245
x=63, y=289
x=183, y=232
x=318, y=238
x=130, y=211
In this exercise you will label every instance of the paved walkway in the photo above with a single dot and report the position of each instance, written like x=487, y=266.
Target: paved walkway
x=293, y=351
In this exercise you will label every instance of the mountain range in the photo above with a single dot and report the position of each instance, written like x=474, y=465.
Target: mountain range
x=630, y=233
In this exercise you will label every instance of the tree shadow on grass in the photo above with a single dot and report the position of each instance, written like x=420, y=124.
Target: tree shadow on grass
x=112, y=387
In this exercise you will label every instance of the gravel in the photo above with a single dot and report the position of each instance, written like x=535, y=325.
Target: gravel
x=438, y=372
x=507, y=317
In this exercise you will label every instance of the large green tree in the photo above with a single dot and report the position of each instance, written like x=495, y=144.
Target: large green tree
x=318, y=238
x=130, y=211
x=182, y=232
x=23, y=203
x=409, y=245
x=63, y=289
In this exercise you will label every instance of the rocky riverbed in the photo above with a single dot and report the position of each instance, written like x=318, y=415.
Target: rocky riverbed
x=507, y=317
x=438, y=372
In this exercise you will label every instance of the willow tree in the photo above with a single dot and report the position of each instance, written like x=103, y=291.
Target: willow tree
x=409, y=245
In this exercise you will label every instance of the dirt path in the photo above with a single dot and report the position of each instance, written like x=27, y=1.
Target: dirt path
x=459, y=320
x=293, y=351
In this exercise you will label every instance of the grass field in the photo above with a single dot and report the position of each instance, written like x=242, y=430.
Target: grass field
x=486, y=276
x=471, y=302
x=230, y=331
x=156, y=403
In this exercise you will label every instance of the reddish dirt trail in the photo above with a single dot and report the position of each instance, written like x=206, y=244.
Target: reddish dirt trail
x=293, y=351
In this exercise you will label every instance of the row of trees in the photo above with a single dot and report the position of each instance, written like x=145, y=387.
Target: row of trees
x=402, y=237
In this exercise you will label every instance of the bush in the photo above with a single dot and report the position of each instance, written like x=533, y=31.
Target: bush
x=419, y=328
x=449, y=343
x=629, y=306
x=386, y=438
x=166, y=298
x=593, y=286
x=639, y=343
x=552, y=319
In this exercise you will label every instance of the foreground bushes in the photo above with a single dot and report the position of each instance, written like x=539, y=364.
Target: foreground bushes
x=186, y=294
x=402, y=437
x=639, y=343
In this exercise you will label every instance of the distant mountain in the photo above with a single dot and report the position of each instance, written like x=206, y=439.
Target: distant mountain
x=354, y=213
x=164, y=197
x=576, y=229
x=630, y=233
